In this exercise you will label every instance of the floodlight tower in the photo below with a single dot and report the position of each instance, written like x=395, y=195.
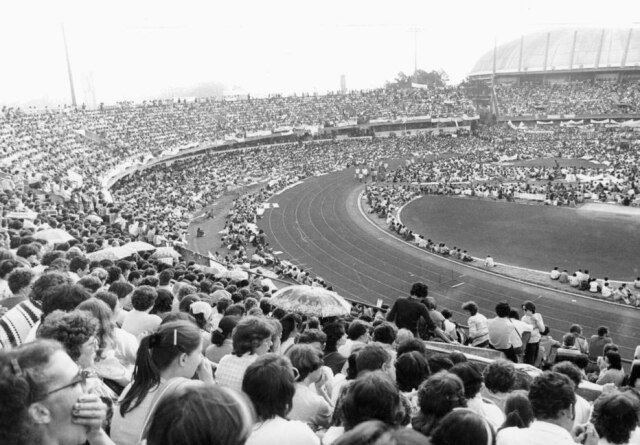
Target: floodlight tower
x=66, y=51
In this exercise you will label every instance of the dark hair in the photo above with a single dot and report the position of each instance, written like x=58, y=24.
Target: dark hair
x=312, y=336
x=411, y=344
x=384, y=333
x=65, y=297
x=102, y=313
x=412, y=369
x=305, y=358
x=269, y=383
x=201, y=414
x=438, y=396
x=225, y=329
x=529, y=306
x=503, y=309
x=19, y=389
x=163, y=302
x=26, y=250
x=249, y=333
x=439, y=362
x=46, y=284
x=419, y=290
x=570, y=370
x=615, y=417
x=634, y=374
x=518, y=410
x=121, y=289
x=19, y=279
x=463, y=427
x=223, y=304
x=550, y=393
x=143, y=298
x=371, y=357
x=72, y=329
x=357, y=328
x=471, y=307
x=602, y=331
x=470, y=376
x=335, y=331
x=90, y=282
x=235, y=309
x=7, y=266
x=186, y=302
x=109, y=298
x=289, y=323
x=614, y=359
x=372, y=396
x=499, y=376
x=78, y=263
x=165, y=277
x=155, y=354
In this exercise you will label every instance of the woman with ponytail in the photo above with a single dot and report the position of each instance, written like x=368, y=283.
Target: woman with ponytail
x=221, y=342
x=165, y=360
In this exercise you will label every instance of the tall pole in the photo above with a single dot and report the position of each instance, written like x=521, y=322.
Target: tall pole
x=66, y=51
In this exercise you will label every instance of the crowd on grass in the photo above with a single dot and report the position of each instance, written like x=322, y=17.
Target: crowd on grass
x=577, y=97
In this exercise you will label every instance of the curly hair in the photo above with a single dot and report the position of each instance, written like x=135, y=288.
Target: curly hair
x=419, y=290
x=441, y=393
x=373, y=396
x=615, y=417
x=249, y=333
x=550, y=393
x=500, y=376
x=72, y=329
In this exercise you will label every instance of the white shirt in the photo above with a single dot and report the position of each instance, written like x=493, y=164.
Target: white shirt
x=489, y=411
x=231, y=369
x=137, y=322
x=282, y=432
x=309, y=407
x=539, y=433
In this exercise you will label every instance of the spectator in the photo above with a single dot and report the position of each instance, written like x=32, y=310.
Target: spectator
x=472, y=379
x=139, y=321
x=615, y=418
x=613, y=372
x=438, y=396
x=336, y=337
x=270, y=384
x=478, y=326
x=221, y=341
x=499, y=380
x=463, y=427
x=44, y=400
x=166, y=359
x=552, y=397
x=311, y=404
x=518, y=410
x=537, y=326
x=598, y=342
x=251, y=339
x=503, y=335
x=201, y=414
x=582, y=407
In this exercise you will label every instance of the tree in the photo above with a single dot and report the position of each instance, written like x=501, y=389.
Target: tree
x=432, y=79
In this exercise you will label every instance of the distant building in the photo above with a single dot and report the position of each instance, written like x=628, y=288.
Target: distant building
x=343, y=83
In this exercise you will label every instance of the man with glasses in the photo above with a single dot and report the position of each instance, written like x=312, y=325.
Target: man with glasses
x=44, y=399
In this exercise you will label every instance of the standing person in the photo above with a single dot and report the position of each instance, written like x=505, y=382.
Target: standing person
x=478, y=327
x=336, y=337
x=537, y=326
x=166, y=360
x=407, y=311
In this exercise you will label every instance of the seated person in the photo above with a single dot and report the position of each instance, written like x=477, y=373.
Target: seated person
x=555, y=274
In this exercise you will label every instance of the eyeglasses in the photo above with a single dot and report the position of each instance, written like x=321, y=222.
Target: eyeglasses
x=80, y=378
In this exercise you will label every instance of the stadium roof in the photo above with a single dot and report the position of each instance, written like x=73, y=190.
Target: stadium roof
x=565, y=49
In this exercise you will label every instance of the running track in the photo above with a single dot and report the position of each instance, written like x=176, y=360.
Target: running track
x=319, y=227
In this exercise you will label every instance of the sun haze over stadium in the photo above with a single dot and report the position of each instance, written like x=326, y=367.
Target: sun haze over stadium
x=142, y=50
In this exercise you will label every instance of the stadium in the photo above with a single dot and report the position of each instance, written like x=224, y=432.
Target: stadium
x=401, y=264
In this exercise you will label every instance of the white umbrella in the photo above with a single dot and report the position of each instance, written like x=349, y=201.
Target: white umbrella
x=53, y=236
x=312, y=301
x=139, y=246
x=235, y=274
x=109, y=253
x=165, y=252
x=94, y=218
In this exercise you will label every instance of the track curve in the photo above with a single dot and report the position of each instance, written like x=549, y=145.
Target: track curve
x=318, y=226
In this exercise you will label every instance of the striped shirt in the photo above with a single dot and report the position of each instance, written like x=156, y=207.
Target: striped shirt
x=17, y=322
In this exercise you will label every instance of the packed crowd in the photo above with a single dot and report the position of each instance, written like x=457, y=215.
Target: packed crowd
x=152, y=349
x=162, y=352
x=578, y=97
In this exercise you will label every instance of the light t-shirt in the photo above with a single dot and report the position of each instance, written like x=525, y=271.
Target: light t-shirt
x=137, y=322
x=282, y=432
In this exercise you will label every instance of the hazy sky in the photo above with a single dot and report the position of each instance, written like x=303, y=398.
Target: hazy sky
x=135, y=49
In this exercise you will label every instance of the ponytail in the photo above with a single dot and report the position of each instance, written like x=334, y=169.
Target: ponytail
x=155, y=354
